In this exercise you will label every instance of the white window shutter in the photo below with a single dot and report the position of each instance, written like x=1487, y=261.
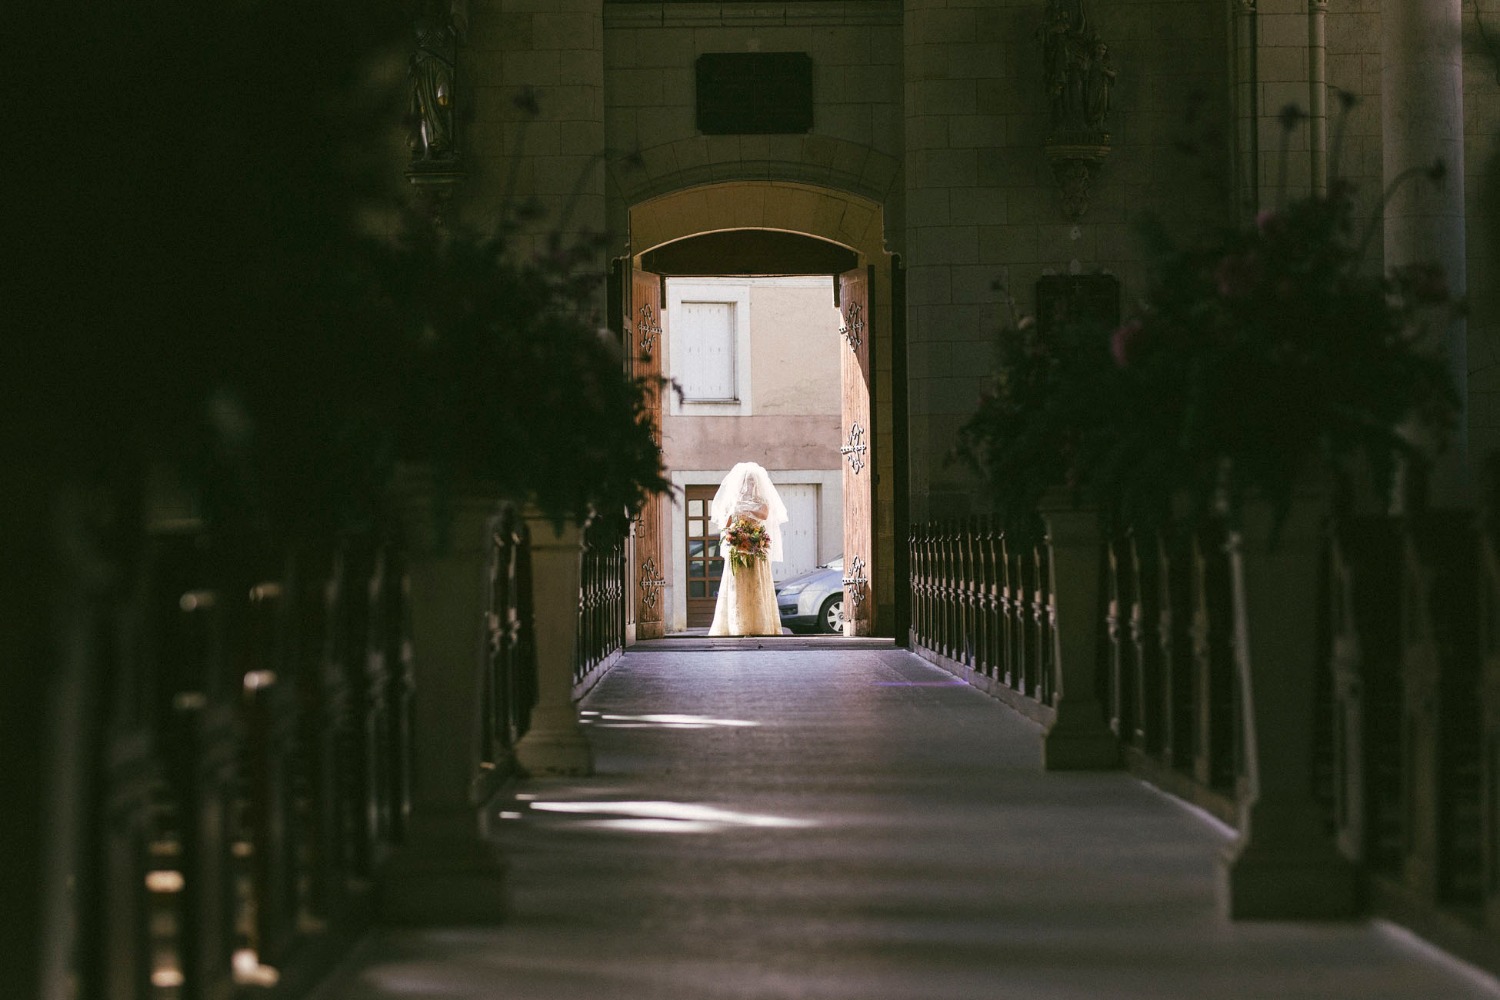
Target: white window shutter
x=703, y=344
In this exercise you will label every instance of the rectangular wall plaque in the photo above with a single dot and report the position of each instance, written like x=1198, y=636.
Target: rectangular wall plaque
x=1080, y=298
x=754, y=93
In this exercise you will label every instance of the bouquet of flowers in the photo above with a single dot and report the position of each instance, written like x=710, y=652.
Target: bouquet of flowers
x=746, y=539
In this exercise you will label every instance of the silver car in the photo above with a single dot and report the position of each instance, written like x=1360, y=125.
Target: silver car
x=814, y=601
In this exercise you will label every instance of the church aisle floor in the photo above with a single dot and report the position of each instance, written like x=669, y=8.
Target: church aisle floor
x=852, y=824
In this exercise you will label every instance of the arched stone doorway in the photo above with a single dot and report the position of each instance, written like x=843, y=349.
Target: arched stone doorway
x=775, y=227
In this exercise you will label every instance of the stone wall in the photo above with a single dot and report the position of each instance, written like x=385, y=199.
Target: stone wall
x=535, y=72
x=654, y=146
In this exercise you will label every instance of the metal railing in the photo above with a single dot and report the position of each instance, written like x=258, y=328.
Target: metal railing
x=1405, y=714
x=253, y=757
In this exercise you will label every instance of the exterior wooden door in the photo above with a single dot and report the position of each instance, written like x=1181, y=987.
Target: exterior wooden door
x=859, y=468
x=705, y=564
x=643, y=311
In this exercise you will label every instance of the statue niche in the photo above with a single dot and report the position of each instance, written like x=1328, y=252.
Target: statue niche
x=1077, y=72
x=1078, y=79
x=432, y=78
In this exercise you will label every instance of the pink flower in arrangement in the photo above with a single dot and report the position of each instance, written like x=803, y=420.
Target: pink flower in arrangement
x=1268, y=220
x=1126, y=342
x=1237, y=275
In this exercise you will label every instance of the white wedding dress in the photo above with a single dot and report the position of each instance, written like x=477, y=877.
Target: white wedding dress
x=747, y=595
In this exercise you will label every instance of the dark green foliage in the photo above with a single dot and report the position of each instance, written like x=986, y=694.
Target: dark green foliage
x=1257, y=355
x=207, y=280
x=504, y=375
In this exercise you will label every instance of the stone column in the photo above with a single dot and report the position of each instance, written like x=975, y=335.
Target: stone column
x=1079, y=737
x=445, y=871
x=1422, y=119
x=1283, y=865
x=555, y=743
x=961, y=84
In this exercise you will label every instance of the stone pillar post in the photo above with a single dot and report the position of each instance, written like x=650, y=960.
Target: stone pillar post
x=445, y=871
x=1422, y=119
x=555, y=743
x=1283, y=865
x=1079, y=736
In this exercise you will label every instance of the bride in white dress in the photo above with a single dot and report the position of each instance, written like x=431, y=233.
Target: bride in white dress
x=747, y=595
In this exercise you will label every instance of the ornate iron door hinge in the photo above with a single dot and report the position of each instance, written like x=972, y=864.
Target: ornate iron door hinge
x=854, y=326
x=856, y=581
x=648, y=328
x=651, y=583
x=856, y=448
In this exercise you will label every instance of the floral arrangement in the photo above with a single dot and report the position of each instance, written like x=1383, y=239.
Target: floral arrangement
x=1256, y=355
x=746, y=539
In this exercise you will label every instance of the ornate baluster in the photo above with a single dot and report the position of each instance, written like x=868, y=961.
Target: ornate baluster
x=954, y=576
x=503, y=628
x=1489, y=652
x=1026, y=650
x=929, y=586
x=935, y=585
x=966, y=592
x=1144, y=621
x=988, y=599
x=1202, y=762
x=1441, y=731
x=514, y=704
x=525, y=666
x=1116, y=601
x=1178, y=647
x=1224, y=694
x=958, y=622
x=360, y=707
x=325, y=717
x=1012, y=660
x=401, y=688
x=940, y=588
x=1213, y=698
x=914, y=582
x=1044, y=613
x=263, y=850
x=201, y=770
x=377, y=689
x=932, y=622
x=149, y=834
x=1348, y=707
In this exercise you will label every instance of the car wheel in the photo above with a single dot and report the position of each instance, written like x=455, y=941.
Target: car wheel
x=831, y=615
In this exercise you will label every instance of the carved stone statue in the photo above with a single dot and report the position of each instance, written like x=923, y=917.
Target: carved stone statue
x=432, y=75
x=1079, y=79
x=1076, y=69
x=1101, y=78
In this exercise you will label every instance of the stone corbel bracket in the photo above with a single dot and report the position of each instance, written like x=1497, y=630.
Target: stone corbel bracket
x=434, y=188
x=1074, y=166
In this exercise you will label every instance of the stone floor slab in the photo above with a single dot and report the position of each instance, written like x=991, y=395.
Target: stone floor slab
x=850, y=823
